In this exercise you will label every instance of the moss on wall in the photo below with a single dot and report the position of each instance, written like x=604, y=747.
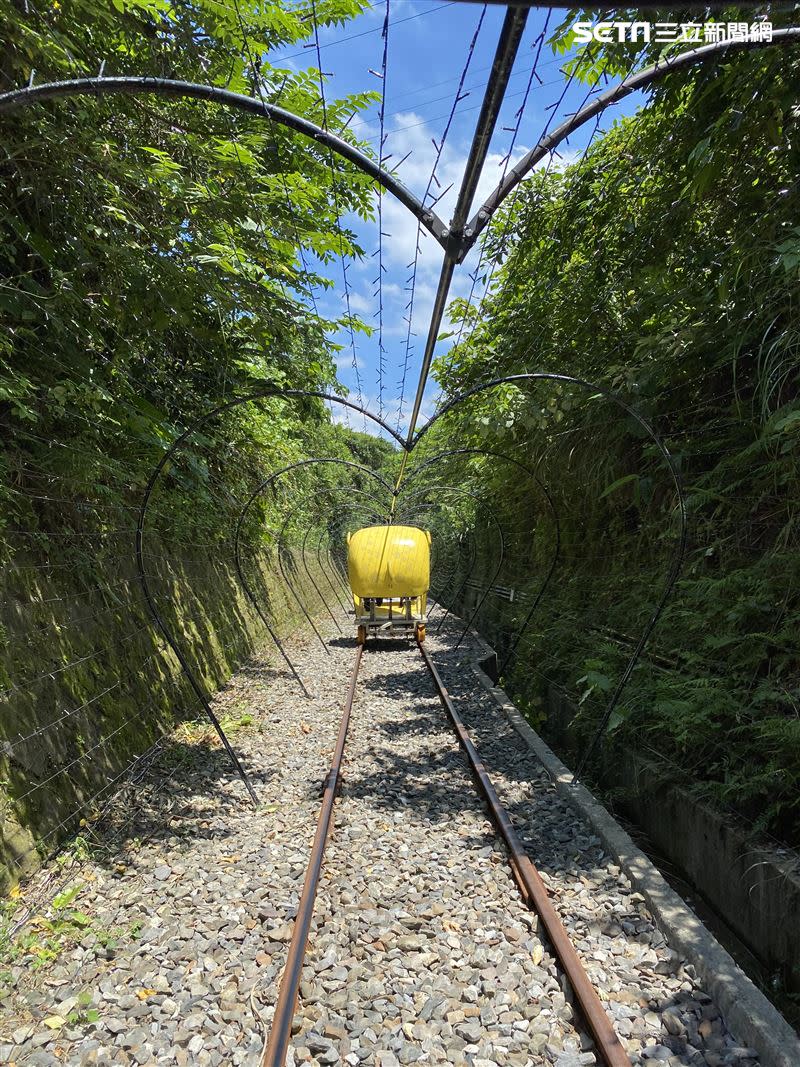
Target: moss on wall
x=89, y=684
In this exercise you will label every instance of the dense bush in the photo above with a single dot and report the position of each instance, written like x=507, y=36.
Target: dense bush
x=664, y=265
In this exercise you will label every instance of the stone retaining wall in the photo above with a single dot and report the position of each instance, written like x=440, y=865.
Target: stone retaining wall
x=81, y=662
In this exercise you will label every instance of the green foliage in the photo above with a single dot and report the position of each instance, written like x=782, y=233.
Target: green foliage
x=158, y=257
x=663, y=266
x=45, y=937
x=151, y=249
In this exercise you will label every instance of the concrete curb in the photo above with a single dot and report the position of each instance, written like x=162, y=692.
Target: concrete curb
x=744, y=1007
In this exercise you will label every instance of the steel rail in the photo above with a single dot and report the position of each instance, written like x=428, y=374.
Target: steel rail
x=534, y=891
x=281, y=1029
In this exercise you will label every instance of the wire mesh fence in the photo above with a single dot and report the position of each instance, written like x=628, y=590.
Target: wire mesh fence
x=620, y=522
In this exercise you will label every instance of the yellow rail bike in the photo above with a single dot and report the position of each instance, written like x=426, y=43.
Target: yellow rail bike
x=389, y=570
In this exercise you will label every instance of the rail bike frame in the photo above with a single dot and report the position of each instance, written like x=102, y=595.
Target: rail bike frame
x=402, y=616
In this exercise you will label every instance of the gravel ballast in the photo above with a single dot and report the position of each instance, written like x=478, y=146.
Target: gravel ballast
x=421, y=949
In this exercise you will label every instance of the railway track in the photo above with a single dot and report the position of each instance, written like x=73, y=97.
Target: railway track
x=609, y=1048
x=419, y=947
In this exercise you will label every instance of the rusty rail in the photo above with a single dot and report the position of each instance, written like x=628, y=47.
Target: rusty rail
x=281, y=1029
x=535, y=893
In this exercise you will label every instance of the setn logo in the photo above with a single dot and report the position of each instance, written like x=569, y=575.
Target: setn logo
x=670, y=32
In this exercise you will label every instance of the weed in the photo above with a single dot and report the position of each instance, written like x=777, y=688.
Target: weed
x=46, y=936
x=83, y=1013
x=199, y=732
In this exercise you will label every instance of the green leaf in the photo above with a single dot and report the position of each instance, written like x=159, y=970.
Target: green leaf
x=625, y=480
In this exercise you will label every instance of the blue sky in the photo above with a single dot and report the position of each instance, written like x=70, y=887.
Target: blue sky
x=428, y=48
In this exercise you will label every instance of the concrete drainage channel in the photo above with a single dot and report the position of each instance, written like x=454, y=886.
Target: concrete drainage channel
x=748, y=1012
x=749, y=895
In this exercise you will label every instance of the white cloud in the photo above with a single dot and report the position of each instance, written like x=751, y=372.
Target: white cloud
x=344, y=361
x=409, y=132
x=360, y=304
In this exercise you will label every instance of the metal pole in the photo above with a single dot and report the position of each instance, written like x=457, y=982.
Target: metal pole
x=505, y=54
x=467, y=576
x=132, y=85
x=313, y=582
x=293, y=591
x=254, y=601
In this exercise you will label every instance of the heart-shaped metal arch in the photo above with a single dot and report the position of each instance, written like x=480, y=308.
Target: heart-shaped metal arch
x=679, y=551
x=299, y=394
x=460, y=235
x=272, y=480
x=414, y=473
x=262, y=488
x=150, y=601
x=456, y=239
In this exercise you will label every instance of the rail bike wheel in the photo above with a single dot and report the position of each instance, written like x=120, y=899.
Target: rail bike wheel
x=361, y=636
x=421, y=632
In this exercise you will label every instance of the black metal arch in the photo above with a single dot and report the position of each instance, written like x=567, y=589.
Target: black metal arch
x=553, y=511
x=353, y=509
x=261, y=489
x=416, y=513
x=248, y=591
x=177, y=444
x=589, y=7
x=460, y=236
x=356, y=509
x=438, y=487
x=680, y=548
x=133, y=86
x=331, y=491
x=465, y=233
x=456, y=241
x=299, y=600
x=611, y=96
